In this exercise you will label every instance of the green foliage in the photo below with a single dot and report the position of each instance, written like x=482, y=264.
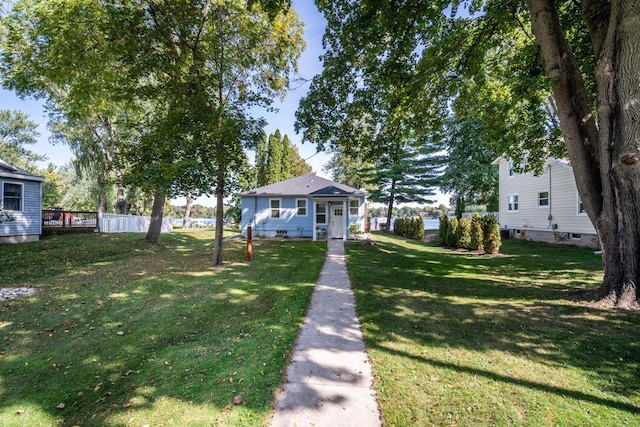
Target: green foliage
x=412, y=228
x=477, y=237
x=16, y=133
x=354, y=229
x=452, y=233
x=443, y=230
x=491, y=241
x=278, y=159
x=463, y=236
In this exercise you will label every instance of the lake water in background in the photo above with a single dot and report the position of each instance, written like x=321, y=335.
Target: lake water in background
x=429, y=224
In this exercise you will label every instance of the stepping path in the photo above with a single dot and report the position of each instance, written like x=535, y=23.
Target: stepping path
x=328, y=382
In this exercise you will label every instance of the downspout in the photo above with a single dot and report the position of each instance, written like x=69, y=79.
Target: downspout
x=549, y=217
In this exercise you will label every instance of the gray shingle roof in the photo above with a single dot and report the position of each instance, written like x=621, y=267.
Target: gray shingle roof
x=10, y=171
x=305, y=185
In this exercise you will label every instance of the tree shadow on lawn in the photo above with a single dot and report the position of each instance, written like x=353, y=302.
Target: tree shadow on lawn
x=445, y=299
x=122, y=336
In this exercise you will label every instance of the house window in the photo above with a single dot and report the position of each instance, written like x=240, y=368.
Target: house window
x=354, y=207
x=576, y=236
x=321, y=213
x=510, y=166
x=301, y=205
x=512, y=203
x=274, y=208
x=543, y=199
x=12, y=196
x=581, y=210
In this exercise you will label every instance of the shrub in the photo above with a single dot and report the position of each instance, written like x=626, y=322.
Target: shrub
x=464, y=233
x=451, y=232
x=476, y=240
x=491, y=233
x=412, y=228
x=442, y=230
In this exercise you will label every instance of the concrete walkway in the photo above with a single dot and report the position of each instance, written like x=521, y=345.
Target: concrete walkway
x=328, y=382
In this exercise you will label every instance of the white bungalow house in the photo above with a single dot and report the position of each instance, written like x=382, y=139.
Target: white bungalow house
x=21, y=200
x=306, y=206
x=543, y=208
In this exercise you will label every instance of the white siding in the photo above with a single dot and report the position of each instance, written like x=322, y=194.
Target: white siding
x=559, y=181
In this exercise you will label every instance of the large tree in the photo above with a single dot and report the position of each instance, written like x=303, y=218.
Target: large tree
x=277, y=159
x=16, y=133
x=186, y=73
x=589, y=52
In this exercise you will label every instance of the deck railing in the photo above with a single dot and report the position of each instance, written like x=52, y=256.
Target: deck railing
x=58, y=221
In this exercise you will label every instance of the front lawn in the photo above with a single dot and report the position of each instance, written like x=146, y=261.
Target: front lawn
x=125, y=333
x=462, y=339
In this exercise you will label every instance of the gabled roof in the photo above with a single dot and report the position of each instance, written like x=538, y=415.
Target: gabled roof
x=305, y=185
x=7, y=170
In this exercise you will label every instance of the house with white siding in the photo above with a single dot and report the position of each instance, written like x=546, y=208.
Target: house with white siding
x=306, y=206
x=545, y=207
x=21, y=199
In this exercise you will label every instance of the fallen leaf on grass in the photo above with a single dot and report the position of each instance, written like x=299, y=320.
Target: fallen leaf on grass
x=61, y=406
x=120, y=333
x=238, y=399
x=129, y=403
x=20, y=411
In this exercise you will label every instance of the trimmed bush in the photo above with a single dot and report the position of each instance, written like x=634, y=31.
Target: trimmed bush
x=412, y=228
x=491, y=232
x=451, y=232
x=464, y=233
x=476, y=240
x=443, y=230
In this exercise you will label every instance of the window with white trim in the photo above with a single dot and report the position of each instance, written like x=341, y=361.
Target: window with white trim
x=512, y=203
x=12, y=196
x=510, y=166
x=543, y=199
x=301, y=207
x=274, y=208
x=581, y=210
x=321, y=213
x=354, y=207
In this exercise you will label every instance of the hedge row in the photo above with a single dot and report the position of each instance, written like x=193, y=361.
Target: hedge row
x=412, y=228
x=475, y=233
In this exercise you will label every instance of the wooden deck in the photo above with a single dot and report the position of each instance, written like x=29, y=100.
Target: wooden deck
x=57, y=221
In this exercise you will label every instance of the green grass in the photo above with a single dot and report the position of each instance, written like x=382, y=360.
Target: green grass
x=125, y=333
x=462, y=339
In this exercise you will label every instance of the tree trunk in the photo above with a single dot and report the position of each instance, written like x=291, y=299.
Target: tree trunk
x=217, y=244
x=392, y=196
x=605, y=155
x=187, y=212
x=155, y=226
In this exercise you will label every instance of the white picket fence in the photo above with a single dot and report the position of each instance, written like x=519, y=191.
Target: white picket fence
x=115, y=223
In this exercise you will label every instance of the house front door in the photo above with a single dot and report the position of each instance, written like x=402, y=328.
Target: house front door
x=337, y=222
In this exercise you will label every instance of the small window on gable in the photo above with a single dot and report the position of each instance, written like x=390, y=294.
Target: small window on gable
x=512, y=202
x=354, y=207
x=510, y=166
x=12, y=196
x=301, y=205
x=543, y=199
x=581, y=210
x=274, y=208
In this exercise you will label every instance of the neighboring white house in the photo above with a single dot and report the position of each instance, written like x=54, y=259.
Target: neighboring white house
x=544, y=208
